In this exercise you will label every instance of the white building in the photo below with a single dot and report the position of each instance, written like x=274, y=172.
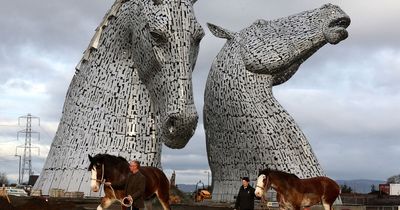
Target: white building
x=394, y=189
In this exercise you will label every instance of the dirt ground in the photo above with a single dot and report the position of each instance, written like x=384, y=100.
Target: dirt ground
x=40, y=203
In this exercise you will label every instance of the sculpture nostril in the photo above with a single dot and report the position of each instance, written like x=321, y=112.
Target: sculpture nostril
x=171, y=129
x=171, y=123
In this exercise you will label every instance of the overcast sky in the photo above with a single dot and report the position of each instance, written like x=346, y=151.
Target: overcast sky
x=345, y=97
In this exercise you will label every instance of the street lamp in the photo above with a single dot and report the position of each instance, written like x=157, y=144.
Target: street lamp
x=19, y=169
x=208, y=178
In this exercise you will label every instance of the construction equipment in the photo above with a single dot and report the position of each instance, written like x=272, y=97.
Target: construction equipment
x=201, y=194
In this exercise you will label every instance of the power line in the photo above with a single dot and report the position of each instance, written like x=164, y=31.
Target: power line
x=10, y=126
x=47, y=133
x=27, y=147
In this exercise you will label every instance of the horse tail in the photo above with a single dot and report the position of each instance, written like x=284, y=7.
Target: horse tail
x=332, y=190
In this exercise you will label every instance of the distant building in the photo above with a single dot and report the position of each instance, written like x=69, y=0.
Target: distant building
x=384, y=189
x=394, y=189
x=390, y=189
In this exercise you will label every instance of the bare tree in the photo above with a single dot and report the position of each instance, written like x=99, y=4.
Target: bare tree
x=3, y=179
x=393, y=179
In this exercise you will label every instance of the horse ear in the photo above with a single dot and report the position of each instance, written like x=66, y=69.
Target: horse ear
x=157, y=2
x=220, y=32
x=90, y=158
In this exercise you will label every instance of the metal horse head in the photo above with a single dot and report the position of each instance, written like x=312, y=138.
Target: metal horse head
x=166, y=38
x=278, y=47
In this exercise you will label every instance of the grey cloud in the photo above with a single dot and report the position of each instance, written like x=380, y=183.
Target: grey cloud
x=359, y=161
x=348, y=132
x=193, y=156
x=59, y=24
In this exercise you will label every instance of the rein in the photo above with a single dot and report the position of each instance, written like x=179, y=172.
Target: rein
x=108, y=184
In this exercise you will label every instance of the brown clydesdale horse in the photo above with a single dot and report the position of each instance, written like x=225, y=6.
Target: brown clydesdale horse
x=295, y=193
x=113, y=172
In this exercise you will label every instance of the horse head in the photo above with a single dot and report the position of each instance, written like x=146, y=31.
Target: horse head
x=263, y=183
x=107, y=169
x=96, y=168
x=166, y=36
x=278, y=47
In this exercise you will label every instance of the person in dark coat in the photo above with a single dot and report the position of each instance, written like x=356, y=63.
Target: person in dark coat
x=245, y=197
x=135, y=186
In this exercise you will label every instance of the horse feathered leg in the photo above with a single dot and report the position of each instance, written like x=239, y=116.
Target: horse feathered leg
x=148, y=204
x=327, y=206
x=164, y=200
x=163, y=192
x=105, y=203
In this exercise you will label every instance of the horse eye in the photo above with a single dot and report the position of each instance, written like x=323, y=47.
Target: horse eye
x=158, y=37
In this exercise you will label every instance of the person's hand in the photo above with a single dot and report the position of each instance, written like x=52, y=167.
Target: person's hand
x=127, y=200
x=130, y=198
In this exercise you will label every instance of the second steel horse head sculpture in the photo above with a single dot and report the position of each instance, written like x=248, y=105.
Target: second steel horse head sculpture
x=242, y=118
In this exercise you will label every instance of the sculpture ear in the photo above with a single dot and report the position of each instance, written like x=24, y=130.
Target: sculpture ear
x=157, y=2
x=193, y=1
x=90, y=158
x=220, y=32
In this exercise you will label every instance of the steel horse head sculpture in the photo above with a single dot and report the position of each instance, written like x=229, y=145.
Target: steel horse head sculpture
x=132, y=91
x=241, y=115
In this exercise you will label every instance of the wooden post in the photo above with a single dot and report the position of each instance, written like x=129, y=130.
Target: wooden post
x=3, y=193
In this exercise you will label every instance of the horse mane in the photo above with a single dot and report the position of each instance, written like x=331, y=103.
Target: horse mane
x=268, y=171
x=113, y=160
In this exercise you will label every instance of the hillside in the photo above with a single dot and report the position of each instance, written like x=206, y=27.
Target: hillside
x=361, y=185
x=358, y=185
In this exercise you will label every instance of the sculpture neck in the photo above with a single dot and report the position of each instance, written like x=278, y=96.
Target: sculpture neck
x=259, y=85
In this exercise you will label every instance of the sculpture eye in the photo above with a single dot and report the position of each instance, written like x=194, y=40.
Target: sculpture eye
x=158, y=37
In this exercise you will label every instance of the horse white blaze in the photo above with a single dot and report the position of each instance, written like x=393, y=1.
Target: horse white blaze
x=260, y=183
x=93, y=181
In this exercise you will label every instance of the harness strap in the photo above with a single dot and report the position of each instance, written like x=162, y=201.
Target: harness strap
x=108, y=184
x=263, y=189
